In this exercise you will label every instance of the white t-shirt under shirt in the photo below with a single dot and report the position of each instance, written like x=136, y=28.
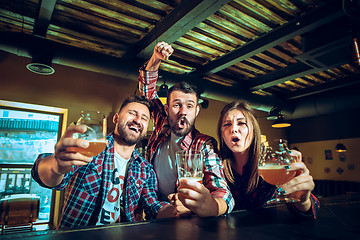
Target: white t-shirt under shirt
x=165, y=165
x=111, y=210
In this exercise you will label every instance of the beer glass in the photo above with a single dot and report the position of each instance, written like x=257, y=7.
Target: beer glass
x=190, y=165
x=271, y=166
x=95, y=134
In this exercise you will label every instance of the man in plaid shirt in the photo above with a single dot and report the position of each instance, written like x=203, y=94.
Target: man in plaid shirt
x=98, y=193
x=174, y=131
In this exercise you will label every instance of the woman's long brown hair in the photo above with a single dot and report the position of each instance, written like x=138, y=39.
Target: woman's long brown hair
x=254, y=149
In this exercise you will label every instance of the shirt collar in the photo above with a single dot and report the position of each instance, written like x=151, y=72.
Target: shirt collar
x=187, y=140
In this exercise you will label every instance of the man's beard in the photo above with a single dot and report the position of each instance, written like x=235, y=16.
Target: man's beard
x=126, y=136
x=184, y=131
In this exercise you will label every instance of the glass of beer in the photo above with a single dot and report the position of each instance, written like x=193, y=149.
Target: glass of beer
x=190, y=165
x=95, y=134
x=271, y=166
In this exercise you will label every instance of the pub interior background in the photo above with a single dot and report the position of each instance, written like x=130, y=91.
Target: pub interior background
x=77, y=89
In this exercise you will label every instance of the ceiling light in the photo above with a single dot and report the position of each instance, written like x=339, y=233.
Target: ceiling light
x=40, y=68
x=41, y=64
x=281, y=122
x=340, y=147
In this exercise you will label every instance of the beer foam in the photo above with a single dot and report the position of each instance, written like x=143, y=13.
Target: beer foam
x=272, y=167
x=97, y=140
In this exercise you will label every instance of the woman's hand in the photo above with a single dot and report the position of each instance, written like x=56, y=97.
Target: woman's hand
x=301, y=185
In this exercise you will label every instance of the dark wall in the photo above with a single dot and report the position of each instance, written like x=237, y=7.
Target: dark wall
x=326, y=127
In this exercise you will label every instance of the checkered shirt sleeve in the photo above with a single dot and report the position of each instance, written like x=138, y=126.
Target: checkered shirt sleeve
x=147, y=83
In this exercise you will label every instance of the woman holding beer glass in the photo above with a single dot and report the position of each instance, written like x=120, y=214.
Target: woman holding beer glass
x=240, y=146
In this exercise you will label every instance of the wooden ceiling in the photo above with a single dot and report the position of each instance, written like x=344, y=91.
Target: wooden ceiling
x=273, y=52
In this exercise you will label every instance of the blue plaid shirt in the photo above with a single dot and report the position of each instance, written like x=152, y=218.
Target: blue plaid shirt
x=86, y=183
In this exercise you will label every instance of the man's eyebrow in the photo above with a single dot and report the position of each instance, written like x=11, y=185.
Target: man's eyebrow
x=180, y=100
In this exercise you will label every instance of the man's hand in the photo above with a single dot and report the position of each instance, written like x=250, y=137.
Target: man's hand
x=162, y=52
x=52, y=168
x=167, y=211
x=197, y=198
x=180, y=208
x=65, y=150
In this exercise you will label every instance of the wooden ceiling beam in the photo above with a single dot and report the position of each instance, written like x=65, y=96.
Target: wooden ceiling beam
x=332, y=85
x=222, y=93
x=314, y=19
x=312, y=62
x=187, y=15
x=282, y=75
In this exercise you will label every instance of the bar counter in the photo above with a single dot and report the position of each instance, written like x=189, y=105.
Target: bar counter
x=339, y=218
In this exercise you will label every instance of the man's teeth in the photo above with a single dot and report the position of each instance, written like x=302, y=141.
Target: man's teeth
x=134, y=129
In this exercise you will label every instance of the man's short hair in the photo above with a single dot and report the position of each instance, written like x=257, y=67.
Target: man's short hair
x=185, y=87
x=138, y=99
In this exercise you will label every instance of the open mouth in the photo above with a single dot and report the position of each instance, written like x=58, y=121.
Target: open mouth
x=135, y=128
x=181, y=122
x=235, y=139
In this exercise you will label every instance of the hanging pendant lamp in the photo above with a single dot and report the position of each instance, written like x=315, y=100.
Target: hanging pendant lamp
x=340, y=147
x=281, y=122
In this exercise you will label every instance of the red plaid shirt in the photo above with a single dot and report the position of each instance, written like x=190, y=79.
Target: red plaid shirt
x=214, y=178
